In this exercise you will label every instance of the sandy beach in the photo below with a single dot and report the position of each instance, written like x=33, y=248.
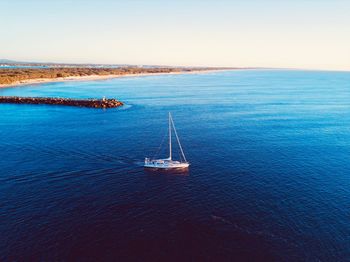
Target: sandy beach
x=99, y=77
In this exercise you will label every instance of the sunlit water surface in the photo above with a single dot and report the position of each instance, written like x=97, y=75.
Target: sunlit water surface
x=269, y=176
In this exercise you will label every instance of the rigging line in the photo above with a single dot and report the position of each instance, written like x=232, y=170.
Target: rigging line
x=170, y=149
x=160, y=147
x=178, y=140
x=180, y=157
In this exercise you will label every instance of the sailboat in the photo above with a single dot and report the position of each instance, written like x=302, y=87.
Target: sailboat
x=168, y=163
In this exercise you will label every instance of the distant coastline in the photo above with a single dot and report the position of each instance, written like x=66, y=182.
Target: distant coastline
x=21, y=77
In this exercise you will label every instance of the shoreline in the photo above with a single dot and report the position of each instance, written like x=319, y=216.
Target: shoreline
x=36, y=81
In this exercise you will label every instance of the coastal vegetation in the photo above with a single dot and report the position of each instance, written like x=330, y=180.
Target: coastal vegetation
x=16, y=75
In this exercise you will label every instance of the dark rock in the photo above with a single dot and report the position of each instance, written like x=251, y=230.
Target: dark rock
x=95, y=103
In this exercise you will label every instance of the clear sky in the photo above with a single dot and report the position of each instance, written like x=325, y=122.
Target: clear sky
x=313, y=34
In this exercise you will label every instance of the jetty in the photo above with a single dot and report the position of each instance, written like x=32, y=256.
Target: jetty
x=94, y=103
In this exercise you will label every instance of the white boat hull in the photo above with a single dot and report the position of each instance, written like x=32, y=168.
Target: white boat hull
x=165, y=164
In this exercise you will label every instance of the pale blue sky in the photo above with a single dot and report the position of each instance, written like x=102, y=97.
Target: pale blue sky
x=312, y=34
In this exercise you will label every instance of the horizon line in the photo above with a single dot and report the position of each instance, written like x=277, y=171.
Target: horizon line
x=13, y=61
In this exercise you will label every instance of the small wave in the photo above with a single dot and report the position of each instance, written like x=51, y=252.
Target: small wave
x=254, y=232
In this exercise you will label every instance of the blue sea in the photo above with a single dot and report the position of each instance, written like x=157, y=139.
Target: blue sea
x=269, y=178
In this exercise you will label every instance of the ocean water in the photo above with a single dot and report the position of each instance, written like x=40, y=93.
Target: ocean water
x=2, y=66
x=269, y=176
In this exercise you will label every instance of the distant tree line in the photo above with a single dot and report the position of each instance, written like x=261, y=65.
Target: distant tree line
x=13, y=75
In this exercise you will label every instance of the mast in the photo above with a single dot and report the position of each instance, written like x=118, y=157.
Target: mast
x=170, y=136
x=177, y=137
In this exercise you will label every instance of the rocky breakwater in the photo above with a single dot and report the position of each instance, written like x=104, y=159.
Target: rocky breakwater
x=95, y=103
